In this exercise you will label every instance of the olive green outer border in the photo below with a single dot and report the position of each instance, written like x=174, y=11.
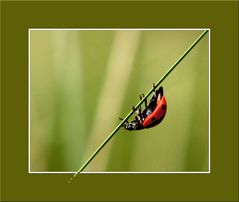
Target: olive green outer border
x=220, y=185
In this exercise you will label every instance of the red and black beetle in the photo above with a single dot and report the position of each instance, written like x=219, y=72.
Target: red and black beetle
x=153, y=113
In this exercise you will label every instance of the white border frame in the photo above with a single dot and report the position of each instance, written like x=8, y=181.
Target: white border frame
x=98, y=29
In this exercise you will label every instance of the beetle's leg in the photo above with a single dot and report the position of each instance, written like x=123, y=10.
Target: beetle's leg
x=145, y=101
x=139, y=112
x=154, y=89
x=154, y=94
x=140, y=108
x=138, y=118
x=139, y=115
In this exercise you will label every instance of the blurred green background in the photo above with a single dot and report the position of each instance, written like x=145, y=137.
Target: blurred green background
x=81, y=81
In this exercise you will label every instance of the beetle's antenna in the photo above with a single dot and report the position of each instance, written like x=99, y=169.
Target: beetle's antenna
x=136, y=107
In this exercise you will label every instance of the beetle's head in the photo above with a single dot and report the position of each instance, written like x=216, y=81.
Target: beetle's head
x=132, y=125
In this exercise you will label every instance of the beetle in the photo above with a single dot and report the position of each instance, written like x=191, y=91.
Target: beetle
x=153, y=113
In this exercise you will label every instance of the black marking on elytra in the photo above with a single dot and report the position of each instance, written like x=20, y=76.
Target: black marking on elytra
x=164, y=107
x=153, y=119
x=155, y=122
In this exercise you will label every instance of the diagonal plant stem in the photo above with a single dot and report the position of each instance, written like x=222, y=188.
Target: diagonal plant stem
x=141, y=101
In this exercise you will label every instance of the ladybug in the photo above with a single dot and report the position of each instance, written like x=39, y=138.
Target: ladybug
x=153, y=113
